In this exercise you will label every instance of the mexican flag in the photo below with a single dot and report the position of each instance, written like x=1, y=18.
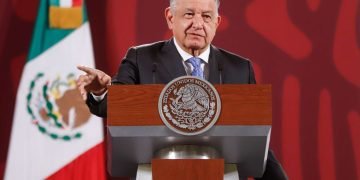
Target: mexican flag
x=54, y=136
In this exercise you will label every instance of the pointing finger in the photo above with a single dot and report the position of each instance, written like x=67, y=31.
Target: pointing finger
x=87, y=69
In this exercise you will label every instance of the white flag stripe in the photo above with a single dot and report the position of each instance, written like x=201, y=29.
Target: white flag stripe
x=65, y=3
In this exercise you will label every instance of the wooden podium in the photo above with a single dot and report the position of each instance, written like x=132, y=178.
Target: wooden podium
x=135, y=131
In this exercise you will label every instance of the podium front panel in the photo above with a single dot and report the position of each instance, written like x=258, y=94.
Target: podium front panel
x=129, y=146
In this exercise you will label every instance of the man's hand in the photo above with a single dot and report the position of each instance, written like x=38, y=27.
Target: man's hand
x=94, y=81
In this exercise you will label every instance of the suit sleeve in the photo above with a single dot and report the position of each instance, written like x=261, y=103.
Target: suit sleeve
x=95, y=107
x=128, y=73
x=252, y=79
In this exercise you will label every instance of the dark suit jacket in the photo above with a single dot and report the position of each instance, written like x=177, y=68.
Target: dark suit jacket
x=161, y=61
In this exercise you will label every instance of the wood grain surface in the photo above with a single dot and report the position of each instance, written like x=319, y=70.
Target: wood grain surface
x=137, y=105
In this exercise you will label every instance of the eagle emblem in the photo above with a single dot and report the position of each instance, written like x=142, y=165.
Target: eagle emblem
x=189, y=105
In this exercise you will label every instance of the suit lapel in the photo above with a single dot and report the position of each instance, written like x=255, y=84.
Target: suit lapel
x=214, y=74
x=172, y=60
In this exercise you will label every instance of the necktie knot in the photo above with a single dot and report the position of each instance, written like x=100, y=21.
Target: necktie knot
x=196, y=64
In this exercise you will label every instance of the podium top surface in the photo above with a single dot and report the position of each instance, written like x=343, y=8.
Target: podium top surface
x=136, y=105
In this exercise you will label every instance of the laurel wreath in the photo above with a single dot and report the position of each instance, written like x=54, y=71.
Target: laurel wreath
x=50, y=113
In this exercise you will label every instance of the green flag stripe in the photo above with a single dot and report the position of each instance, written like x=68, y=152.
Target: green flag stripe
x=43, y=36
x=54, y=2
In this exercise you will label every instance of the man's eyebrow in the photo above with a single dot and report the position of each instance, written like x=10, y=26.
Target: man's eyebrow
x=203, y=12
x=209, y=12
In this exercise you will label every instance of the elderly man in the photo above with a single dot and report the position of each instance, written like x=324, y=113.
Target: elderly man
x=189, y=52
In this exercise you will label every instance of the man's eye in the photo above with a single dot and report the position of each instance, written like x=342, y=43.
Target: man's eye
x=189, y=15
x=207, y=17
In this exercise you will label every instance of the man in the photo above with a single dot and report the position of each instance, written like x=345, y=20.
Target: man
x=189, y=52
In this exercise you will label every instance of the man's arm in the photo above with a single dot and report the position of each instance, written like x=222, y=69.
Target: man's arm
x=96, y=106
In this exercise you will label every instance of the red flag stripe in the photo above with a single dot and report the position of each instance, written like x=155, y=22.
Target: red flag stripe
x=90, y=166
x=76, y=3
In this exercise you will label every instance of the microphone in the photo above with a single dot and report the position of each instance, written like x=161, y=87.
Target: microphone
x=154, y=68
x=220, y=69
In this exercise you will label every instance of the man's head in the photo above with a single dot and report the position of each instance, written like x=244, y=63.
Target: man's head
x=173, y=4
x=193, y=23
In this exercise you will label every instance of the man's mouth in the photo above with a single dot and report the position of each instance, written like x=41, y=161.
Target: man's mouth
x=195, y=34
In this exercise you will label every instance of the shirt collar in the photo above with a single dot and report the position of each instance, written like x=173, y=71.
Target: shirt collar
x=185, y=55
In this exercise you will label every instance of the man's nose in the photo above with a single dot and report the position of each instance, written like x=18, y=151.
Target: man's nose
x=198, y=22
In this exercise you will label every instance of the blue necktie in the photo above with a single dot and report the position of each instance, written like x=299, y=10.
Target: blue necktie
x=196, y=64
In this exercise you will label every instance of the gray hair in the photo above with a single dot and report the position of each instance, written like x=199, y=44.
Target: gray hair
x=173, y=4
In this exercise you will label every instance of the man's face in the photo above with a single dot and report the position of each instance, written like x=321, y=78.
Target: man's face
x=194, y=24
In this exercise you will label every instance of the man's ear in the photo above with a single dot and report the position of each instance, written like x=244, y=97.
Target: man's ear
x=218, y=21
x=169, y=18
